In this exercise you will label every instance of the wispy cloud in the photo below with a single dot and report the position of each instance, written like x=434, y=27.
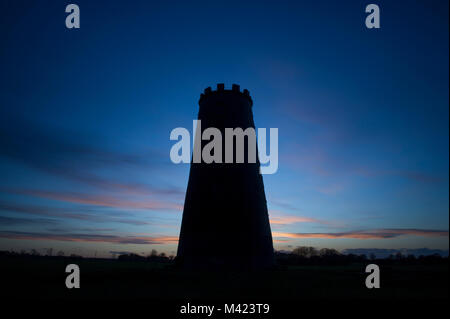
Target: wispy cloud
x=89, y=214
x=101, y=200
x=279, y=218
x=283, y=203
x=78, y=157
x=415, y=176
x=284, y=220
x=279, y=237
x=77, y=237
x=79, y=229
x=280, y=241
x=15, y=221
x=46, y=147
x=384, y=253
x=333, y=171
x=368, y=234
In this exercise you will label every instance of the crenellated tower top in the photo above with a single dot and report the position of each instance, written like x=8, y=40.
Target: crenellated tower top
x=235, y=89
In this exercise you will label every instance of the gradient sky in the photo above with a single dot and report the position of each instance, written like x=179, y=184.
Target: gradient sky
x=85, y=119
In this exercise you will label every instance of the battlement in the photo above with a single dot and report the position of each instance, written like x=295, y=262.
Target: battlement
x=235, y=88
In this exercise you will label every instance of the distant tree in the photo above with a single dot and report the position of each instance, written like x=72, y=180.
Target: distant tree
x=130, y=257
x=34, y=252
x=304, y=251
x=399, y=256
x=154, y=253
x=328, y=252
x=162, y=255
x=60, y=253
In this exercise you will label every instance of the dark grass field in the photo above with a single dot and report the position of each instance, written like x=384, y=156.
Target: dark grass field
x=44, y=278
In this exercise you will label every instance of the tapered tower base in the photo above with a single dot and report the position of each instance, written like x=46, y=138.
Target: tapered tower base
x=225, y=220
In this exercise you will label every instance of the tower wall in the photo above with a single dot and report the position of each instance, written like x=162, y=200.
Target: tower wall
x=225, y=219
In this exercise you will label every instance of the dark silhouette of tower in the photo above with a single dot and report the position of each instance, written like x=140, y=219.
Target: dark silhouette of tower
x=225, y=220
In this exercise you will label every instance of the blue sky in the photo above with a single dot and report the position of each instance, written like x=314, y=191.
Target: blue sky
x=85, y=119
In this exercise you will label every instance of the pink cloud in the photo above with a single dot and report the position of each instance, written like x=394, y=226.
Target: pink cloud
x=279, y=218
x=370, y=234
x=104, y=200
x=283, y=219
x=145, y=240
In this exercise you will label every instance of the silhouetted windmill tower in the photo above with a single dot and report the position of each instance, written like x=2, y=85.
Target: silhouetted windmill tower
x=225, y=219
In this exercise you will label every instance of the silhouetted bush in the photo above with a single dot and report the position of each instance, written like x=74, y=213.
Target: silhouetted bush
x=325, y=256
x=297, y=257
